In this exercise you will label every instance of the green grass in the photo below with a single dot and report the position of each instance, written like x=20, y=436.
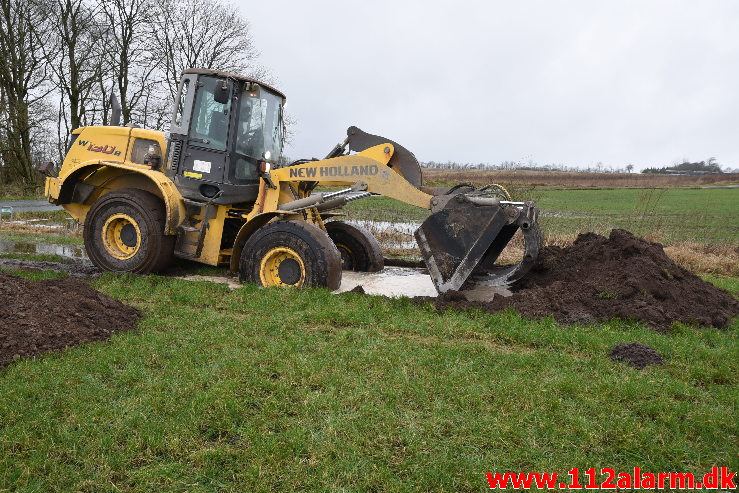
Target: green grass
x=384, y=209
x=702, y=215
x=282, y=390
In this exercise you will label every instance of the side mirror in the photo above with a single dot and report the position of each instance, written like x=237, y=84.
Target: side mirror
x=222, y=92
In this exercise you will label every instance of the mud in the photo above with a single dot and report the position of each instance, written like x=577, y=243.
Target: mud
x=597, y=279
x=42, y=316
x=636, y=355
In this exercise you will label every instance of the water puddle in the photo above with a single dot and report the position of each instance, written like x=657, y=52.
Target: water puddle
x=395, y=282
x=45, y=224
x=391, y=281
x=391, y=234
x=76, y=252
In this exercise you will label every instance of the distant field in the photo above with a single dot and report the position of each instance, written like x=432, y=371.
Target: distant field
x=444, y=177
x=667, y=215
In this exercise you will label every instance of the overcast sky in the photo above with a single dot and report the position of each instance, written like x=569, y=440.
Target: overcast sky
x=647, y=82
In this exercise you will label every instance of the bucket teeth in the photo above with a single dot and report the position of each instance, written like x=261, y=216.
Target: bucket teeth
x=461, y=242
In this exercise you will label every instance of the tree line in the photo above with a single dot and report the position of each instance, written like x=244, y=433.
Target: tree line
x=529, y=165
x=60, y=60
x=686, y=167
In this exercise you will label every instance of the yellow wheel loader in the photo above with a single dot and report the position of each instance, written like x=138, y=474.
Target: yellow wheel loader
x=211, y=191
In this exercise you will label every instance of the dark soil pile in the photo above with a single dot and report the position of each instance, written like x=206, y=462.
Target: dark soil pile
x=598, y=278
x=636, y=355
x=42, y=316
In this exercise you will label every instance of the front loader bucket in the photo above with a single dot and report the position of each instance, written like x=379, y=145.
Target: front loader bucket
x=461, y=241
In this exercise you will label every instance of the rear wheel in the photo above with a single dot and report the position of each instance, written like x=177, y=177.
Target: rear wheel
x=359, y=249
x=290, y=253
x=124, y=232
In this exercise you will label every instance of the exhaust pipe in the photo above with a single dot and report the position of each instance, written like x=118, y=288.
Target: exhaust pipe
x=115, y=110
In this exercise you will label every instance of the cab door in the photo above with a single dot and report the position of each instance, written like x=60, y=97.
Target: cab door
x=203, y=150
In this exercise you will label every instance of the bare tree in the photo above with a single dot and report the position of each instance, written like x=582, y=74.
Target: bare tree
x=128, y=36
x=76, y=59
x=60, y=59
x=23, y=79
x=203, y=34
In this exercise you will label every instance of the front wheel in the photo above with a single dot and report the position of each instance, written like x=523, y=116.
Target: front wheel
x=290, y=253
x=124, y=232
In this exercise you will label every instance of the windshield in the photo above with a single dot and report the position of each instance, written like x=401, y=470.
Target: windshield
x=260, y=124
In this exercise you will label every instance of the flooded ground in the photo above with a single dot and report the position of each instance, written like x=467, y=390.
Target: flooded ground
x=397, y=235
x=75, y=252
x=395, y=282
x=17, y=206
x=391, y=281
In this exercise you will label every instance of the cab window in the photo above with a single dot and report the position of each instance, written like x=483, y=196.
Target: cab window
x=210, y=118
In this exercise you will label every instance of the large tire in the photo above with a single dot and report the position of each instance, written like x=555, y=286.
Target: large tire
x=359, y=249
x=124, y=232
x=290, y=253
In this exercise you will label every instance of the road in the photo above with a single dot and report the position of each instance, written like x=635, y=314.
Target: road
x=29, y=205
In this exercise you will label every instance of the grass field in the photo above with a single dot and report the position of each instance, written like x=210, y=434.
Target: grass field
x=667, y=215
x=557, y=179
x=281, y=390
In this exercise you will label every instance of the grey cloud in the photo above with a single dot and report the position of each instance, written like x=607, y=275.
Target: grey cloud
x=573, y=82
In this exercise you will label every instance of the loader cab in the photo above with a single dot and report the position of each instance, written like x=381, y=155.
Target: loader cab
x=223, y=126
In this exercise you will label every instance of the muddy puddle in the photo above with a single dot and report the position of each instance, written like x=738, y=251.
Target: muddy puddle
x=395, y=282
x=392, y=282
x=391, y=234
x=75, y=252
x=45, y=224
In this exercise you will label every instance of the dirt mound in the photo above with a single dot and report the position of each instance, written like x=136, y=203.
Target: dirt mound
x=636, y=355
x=42, y=316
x=598, y=278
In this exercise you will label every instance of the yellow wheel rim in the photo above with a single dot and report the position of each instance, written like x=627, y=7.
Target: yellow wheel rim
x=282, y=266
x=121, y=236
